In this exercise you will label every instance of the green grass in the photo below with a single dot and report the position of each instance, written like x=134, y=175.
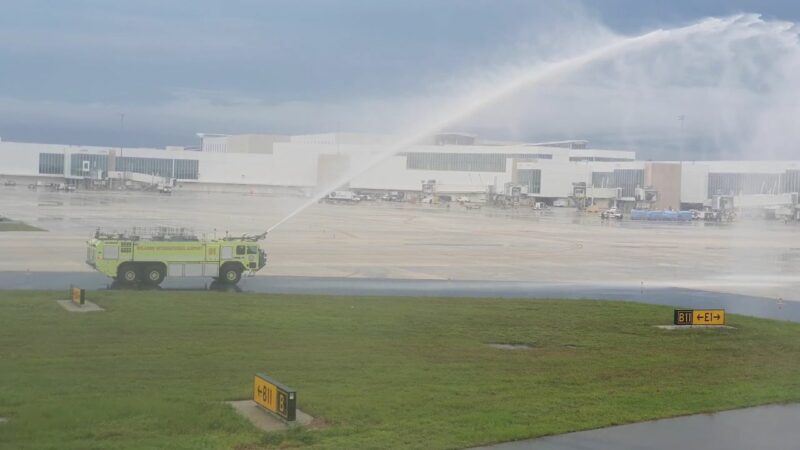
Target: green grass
x=153, y=370
x=18, y=226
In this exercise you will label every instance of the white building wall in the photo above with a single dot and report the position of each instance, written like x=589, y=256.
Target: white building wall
x=694, y=182
x=296, y=164
x=751, y=166
x=282, y=169
x=245, y=143
x=215, y=144
x=392, y=174
x=344, y=139
x=761, y=200
x=22, y=159
x=598, y=153
x=601, y=166
x=557, y=154
x=557, y=178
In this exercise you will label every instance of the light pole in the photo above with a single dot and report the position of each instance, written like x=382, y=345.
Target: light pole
x=121, y=130
x=682, y=118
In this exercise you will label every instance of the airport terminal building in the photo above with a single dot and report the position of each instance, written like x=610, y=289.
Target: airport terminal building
x=456, y=164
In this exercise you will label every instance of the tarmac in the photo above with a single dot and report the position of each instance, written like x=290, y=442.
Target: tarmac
x=772, y=427
x=387, y=240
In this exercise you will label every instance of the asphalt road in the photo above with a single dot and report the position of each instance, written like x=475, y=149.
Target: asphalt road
x=732, y=303
x=772, y=427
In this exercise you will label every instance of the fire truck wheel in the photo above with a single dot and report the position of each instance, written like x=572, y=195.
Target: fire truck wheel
x=128, y=274
x=230, y=274
x=154, y=275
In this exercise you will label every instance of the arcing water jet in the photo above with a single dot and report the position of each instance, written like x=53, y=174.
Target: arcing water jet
x=468, y=105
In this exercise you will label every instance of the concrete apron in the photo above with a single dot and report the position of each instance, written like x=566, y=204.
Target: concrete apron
x=266, y=421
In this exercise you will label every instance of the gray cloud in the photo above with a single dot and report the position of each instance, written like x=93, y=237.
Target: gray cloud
x=389, y=69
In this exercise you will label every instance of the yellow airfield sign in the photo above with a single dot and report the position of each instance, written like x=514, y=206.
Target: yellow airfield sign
x=699, y=317
x=78, y=296
x=275, y=397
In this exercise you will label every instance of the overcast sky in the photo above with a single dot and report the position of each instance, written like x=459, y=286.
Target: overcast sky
x=174, y=68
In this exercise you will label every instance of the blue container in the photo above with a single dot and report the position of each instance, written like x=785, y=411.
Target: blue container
x=669, y=216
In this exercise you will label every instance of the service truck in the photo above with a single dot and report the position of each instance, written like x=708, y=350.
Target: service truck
x=148, y=256
x=341, y=197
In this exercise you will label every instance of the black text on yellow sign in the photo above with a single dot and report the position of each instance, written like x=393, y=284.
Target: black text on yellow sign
x=78, y=296
x=699, y=317
x=275, y=397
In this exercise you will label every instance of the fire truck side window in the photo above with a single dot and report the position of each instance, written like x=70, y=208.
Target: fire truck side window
x=240, y=250
x=252, y=250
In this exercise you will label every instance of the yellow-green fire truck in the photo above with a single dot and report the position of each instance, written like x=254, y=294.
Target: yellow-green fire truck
x=147, y=257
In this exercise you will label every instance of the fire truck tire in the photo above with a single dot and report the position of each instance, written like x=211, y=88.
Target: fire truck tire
x=230, y=274
x=154, y=274
x=129, y=274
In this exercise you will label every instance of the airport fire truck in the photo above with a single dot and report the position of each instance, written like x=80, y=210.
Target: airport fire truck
x=147, y=256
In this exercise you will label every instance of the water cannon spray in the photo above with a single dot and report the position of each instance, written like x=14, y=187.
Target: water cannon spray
x=470, y=104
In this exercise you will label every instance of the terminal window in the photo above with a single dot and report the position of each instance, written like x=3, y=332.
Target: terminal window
x=186, y=169
x=598, y=158
x=79, y=162
x=603, y=179
x=161, y=167
x=466, y=162
x=626, y=179
x=531, y=178
x=51, y=163
x=744, y=183
x=182, y=169
x=791, y=181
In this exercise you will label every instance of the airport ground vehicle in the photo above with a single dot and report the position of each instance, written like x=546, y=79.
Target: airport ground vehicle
x=612, y=213
x=393, y=196
x=146, y=256
x=341, y=197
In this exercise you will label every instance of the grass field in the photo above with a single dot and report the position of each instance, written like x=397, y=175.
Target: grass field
x=153, y=370
x=17, y=226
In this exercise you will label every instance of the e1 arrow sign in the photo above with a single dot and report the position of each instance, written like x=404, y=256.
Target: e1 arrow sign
x=699, y=317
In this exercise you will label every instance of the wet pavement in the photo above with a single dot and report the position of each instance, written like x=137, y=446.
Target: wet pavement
x=422, y=242
x=773, y=427
x=733, y=303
